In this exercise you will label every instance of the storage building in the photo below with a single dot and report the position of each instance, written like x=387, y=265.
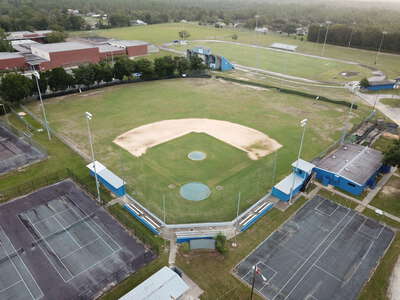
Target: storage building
x=11, y=60
x=352, y=168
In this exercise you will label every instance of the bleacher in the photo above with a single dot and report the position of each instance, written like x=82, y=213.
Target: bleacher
x=142, y=216
x=253, y=215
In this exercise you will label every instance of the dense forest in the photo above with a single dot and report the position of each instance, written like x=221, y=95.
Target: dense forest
x=361, y=22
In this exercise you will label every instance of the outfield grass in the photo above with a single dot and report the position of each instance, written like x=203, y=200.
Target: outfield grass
x=388, y=199
x=391, y=102
x=162, y=33
x=119, y=109
x=382, y=143
x=283, y=62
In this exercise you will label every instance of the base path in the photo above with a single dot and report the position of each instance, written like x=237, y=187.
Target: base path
x=255, y=143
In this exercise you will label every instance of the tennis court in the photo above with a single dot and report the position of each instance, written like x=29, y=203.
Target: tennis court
x=325, y=251
x=16, y=151
x=56, y=243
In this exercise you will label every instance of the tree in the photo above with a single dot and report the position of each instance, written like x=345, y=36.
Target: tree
x=196, y=63
x=56, y=37
x=220, y=244
x=182, y=64
x=364, y=83
x=5, y=45
x=123, y=67
x=85, y=74
x=103, y=72
x=59, y=79
x=145, y=67
x=234, y=36
x=392, y=155
x=118, y=20
x=15, y=87
x=164, y=66
x=184, y=34
x=289, y=29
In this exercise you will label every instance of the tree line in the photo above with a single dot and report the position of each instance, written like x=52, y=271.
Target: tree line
x=371, y=38
x=15, y=87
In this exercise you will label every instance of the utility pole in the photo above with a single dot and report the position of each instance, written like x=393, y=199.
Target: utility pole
x=89, y=117
x=326, y=36
x=46, y=124
x=351, y=34
x=237, y=216
x=347, y=125
x=380, y=46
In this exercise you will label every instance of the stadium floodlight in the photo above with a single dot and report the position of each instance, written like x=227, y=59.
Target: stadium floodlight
x=88, y=117
x=256, y=271
x=326, y=37
x=46, y=124
x=380, y=46
x=352, y=32
x=303, y=124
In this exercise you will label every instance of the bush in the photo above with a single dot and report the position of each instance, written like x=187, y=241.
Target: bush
x=220, y=244
x=364, y=83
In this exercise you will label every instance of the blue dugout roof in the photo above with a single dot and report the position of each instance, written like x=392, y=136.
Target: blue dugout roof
x=106, y=174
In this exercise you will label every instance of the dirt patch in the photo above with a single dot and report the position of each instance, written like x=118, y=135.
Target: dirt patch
x=390, y=190
x=255, y=143
x=348, y=74
x=391, y=136
x=394, y=287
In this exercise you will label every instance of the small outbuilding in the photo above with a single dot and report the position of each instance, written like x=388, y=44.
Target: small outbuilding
x=111, y=181
x=381, y=85
x=163, y=285
x=291, y=185
x=352, y=168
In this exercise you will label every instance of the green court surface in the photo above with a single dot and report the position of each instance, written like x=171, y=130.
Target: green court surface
x=162, y=170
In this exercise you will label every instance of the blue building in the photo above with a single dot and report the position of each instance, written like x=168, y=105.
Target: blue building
x=381, y=85
x=352, y=168
x=293, y=184
x=214, y=62
x=111, y=181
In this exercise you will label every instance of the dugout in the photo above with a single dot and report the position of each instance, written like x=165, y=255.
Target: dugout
x=111, y=181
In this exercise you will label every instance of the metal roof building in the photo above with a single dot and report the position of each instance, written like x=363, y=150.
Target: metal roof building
x=351, y=168
x=163, y=285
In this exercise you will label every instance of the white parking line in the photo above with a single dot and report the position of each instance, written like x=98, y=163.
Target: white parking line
x=9, y=287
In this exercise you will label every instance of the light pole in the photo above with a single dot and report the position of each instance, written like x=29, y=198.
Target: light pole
x=236, y=225
x=351, y=34
x=326, y=36
x=5, y=112
x=255, y=271
x=256, y=32
x=303, y=124
x=319, y=32
x=380, y=46
x=89, y=117
x=46, y=124
x=348, y=118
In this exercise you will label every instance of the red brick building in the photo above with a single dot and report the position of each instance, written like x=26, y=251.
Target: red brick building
x=11, y=60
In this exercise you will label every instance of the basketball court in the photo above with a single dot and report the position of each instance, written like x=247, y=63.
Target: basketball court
x=325, y=251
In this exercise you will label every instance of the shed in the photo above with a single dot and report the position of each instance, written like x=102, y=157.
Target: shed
x=351, y=168
x=111, y=181
x=202, y=244
x=381, y=85
x=163, y=285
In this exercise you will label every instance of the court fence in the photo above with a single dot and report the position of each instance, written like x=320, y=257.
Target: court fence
x=85, y=182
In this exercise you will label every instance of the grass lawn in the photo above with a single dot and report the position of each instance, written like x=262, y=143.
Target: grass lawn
x=391, y=102
x=163, y=33
x=388, y=199
x=284, y=62
x=382, y=143
x=119, y=109
x=334, y=197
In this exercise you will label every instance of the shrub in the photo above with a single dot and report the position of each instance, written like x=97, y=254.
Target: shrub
x=220, y=244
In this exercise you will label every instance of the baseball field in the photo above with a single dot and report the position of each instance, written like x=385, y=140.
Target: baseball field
x=160, y=171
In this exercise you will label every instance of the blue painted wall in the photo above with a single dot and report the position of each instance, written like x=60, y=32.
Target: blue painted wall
x=141, y=220
x=283, y=196
x=381, y=87
x=119, y=192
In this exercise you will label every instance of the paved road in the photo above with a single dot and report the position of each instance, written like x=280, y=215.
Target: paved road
x=392, y=113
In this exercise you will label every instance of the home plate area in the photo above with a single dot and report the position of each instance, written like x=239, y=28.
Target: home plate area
x=325, y=251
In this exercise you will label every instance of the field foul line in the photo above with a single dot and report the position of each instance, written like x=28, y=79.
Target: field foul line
x=323, y=252
x=29, y=272
x=312, y=253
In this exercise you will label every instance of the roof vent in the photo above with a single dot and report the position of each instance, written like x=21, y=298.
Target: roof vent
x=333, y=156
x=345, y=147
x=347, y=160
x=346, y=169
